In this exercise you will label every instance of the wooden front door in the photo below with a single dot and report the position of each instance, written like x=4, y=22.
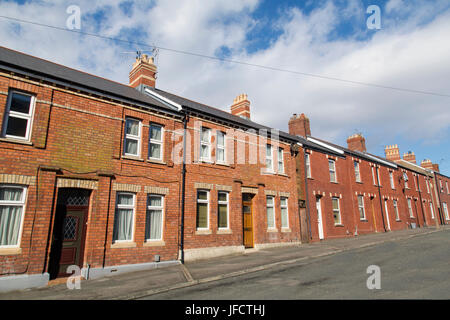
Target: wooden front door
x=247, y=211
x=73, y=237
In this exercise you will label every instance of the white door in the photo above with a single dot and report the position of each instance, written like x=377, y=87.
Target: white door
x=319, y=218
x=387, y=215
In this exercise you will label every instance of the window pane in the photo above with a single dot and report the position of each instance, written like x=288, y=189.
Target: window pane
x=331, y=165
x=155, y=201
x=155, y=133
x=125, y=199
x=283, y=201
x=269, y=151
x=205, y=135
x=268, y=164
x=17, y=127
x=223, y=216
x=131, y=146
x=10, y=220
x=20, y=103
x=132, y=127
x=220, y=155
x=155, y=151
x=10, y=194
x=202, y=215
x=270, y=216
x=332, y=176
x=154, y=224
x=284, y=218
x=123, y=224
x=202, y=195
x=335, y=204
x=269, y=201
x=222, y=196
x=360, y=201
x=220, y=139
x=205, y=152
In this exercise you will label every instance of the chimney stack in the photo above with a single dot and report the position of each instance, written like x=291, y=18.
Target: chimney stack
x=143, y=72
x=241, y=106
x=392, y=152
x=427, y=164
x=357, y=142
x=410, y=157
x=299, y=125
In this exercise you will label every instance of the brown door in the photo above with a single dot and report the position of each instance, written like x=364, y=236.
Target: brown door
x=248, y=221
x=73, y=234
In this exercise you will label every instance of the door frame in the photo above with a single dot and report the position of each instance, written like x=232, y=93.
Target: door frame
x=387, y=214
x=320, y=229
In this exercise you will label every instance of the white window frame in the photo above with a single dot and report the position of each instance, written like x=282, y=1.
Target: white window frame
x=410, y=210
x=205, y=143
x=161, y=207
x=373, y=176
x=332, y=170
x=357, y=171
x=308, y=166
x=445, y=207
x=227, y=203
x=391, y=179
x=286, y=206
x=154, y=141
x=442, y=187
x=269, y=157
x=125, y=206
x=406, y=181
x=221, y=147
x=361, y=207
x=415, y=182
x=397, y=214
x=29, y=117
x=446, y=185
x=128, y=136
x=21, y=203
x=428, y=185
x=207, y=208
x=280, y=162
x=338, y=210
x=273, y=208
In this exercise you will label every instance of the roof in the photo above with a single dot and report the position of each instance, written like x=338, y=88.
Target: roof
x=35, y=67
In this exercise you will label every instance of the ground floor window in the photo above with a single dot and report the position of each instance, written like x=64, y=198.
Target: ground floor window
x=270, y=212
x=12, y=203
x=124, y=217
x=411, y=214
x=154, y=219
x=202, y=209
x=431, y=210
x=397, y=216
x=446, y=211
x=223, y=209
x=362, y=213
x=284, y=213
x=336, y=210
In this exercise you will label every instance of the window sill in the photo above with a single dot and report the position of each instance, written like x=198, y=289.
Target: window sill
x=156, y=161
x=282, y=174
x=205, y=161
x=203, y=232
x=335, y=182
x=154, y=243
x=398, y=220
x=222, y=164
x=224, y=231
x=338, y=225
x=286, y=230
x=17, y=141
x=363, y=220
x=136, y=158
x=10, y=251
x=127, y=244
x=360, y=182
x=272, y=230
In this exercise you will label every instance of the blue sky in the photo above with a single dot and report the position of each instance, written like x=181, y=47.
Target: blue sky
x=321, y=37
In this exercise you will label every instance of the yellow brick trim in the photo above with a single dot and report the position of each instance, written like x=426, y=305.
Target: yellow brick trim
x=156, y=190
x=17, y=179
x=77, y=183
x=270, y=193
x=201, y=185
x=126, y=187
x=224, y=187
x=284, y=194
x=249, y=190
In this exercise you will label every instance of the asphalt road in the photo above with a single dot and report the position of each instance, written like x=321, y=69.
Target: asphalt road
x=415, y=268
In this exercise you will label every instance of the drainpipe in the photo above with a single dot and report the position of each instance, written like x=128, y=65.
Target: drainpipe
x=308, y=220
x=183, y=188
x=438, y=191
x=107, y=221
x=381, y=200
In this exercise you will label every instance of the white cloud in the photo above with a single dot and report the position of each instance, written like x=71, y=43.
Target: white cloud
x=406, y=53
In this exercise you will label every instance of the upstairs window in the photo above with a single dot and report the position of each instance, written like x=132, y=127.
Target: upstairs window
x=280, y=160
x=132, y=145
x=428, y=185
x=357, y=173
x=391, y=179
x=405, y=177
x=446, y=185
x=269, y=158
x=156, y=142
x=308, y=165
x=205, y=144
x=332, y=168
x=18, y=116
x=220, y=149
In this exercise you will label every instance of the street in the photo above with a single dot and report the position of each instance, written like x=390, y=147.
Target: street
x=415, y=268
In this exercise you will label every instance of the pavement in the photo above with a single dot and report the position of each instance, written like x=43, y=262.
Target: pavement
x=142, y=284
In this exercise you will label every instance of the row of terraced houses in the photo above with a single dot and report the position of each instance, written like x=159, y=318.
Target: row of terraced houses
x=114, y=178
